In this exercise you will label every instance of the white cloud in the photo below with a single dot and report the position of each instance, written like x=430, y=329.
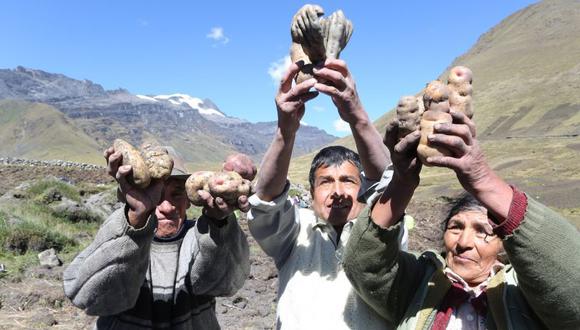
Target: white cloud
x=217, y=34
x=278, y=68
x=303, y=123
x=318, y=108
x=341, y=126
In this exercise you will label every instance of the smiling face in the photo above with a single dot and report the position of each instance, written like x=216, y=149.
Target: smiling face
x=335, y=191
x=471, y=248
x=171, y=211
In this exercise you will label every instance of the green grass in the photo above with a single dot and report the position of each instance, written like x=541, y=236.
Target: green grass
x=42, y=190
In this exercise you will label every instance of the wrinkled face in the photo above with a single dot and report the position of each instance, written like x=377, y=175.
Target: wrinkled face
x=171, y=210
x=471, y=248
x=334, y=193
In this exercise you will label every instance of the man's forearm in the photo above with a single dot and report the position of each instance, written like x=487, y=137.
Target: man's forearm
x=369, y=144
x=274, y=168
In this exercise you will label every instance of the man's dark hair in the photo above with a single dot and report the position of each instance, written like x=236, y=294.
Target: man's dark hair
x=333, y=156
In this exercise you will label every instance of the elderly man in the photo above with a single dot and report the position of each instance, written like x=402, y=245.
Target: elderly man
x=149, y=267
x=314, y=292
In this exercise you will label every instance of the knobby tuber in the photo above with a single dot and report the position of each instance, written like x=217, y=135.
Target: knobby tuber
x=408, y=115
x=460, y=90
x=229, y=184
x=158, y=161
x=151, y=163
x=131, y=156
x=436, y=102
x=314, y=38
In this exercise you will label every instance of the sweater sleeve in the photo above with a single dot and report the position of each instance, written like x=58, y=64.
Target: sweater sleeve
x=385, y=277
x=274, y=225
x=544, y=251
x=218, y=256
x=105, y=278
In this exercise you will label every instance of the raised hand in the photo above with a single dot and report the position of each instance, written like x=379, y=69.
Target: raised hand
x=290, y=100
x=469, y=164
x=335, y=80
x=407, y=165
x=466, y=159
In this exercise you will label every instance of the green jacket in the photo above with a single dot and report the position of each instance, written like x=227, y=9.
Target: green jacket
x=539, y=289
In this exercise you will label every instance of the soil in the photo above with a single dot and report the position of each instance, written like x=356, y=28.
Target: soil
x=36, y=300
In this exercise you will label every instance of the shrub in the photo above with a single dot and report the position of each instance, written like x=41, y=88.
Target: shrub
x=27, y=236
x=49, y=190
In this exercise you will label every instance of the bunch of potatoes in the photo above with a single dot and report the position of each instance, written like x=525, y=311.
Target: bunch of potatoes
x=152, y=162
x=438, y=99
x=232, y=182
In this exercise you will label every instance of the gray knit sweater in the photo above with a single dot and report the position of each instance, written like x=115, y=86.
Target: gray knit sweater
x=133, y=281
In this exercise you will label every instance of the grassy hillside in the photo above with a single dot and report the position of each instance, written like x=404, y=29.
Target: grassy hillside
x=527, y=106
x=38, y=131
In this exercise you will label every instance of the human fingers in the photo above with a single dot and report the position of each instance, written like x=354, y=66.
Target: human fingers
x=222, y=206
x=335, y=77
x=338, y=65
x=307, y=97
x=286, y=82
x=461, y=118
x=461, y=130
x=113, y=162
x=121, y=176
x=391, y=134
x=445, y=161
x=301, y=88
x=108, y=152
x=243, y=203
x=327, y=89
x=409, y=143
x=453, y=143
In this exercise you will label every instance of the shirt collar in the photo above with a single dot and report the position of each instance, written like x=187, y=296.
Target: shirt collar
x=476, y=291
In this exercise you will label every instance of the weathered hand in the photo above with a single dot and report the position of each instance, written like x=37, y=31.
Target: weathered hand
x=467, y=159
x=335, y=80
x=290, y=100
x=141, y=202
x=218, y=209
x=403, y=153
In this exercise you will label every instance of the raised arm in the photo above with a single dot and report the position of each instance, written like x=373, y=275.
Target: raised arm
x=105, y=278
x=384, y=276
x=290, y=102
x=340, y=86
x=273, y=219
x=542, y=246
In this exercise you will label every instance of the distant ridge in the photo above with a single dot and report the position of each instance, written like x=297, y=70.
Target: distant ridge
x=197, y=128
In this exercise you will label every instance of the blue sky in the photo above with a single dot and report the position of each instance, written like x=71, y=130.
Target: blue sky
x=231, y=52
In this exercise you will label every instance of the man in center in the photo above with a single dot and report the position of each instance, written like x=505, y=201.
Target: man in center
x=307, y=245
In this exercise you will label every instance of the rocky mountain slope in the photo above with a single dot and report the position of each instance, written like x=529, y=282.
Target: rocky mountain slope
x=197, y=128
x=527, y=106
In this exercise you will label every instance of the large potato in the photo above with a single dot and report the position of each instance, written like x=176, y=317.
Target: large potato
x=197, y=181
x=229, y=186
x=241, y=164
x=158, y=161
x=140, y=174
x=436, y=101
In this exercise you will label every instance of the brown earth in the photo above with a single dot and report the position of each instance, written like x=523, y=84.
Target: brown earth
x=36, y=299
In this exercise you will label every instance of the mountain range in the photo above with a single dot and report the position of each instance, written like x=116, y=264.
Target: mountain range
x=35, y=105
